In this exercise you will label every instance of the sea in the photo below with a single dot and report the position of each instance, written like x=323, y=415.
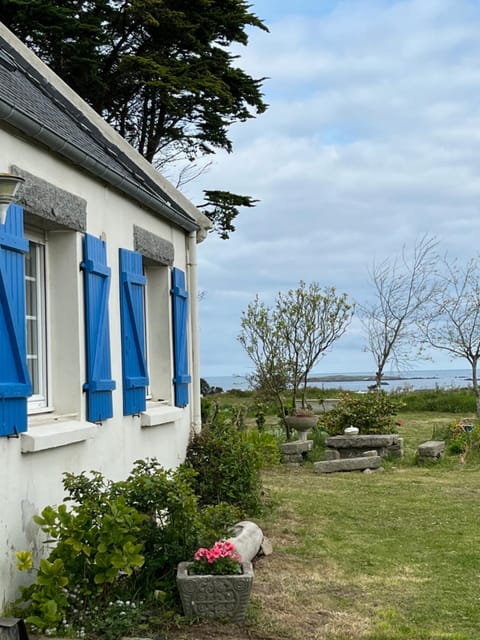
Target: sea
x=403, y=381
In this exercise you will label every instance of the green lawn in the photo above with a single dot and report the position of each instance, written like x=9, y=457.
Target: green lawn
x=393, y=555
x=386, y=556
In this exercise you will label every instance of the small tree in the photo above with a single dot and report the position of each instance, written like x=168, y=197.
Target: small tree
x=286, y=341
x=266, y=347
x=453, y=325
x=403, y=289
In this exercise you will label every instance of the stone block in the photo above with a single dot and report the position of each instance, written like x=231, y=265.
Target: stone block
x=247, y=538
x=347, y=464
x=267, y=547
x=353, y=446
x=367, y=454
x=297, y=446
x=372, y=441
x=431, y=450
x=396, y=450
x=332, y=454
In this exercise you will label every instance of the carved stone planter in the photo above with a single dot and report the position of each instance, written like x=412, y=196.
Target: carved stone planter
x=302, y=424
x=215, y=596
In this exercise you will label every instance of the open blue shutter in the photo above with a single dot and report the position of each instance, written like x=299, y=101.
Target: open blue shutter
x=15, y=384
x=181, y=377
x=132, y=314
x=99, y=383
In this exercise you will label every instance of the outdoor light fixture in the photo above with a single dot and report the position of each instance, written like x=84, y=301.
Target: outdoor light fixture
x=8, y=187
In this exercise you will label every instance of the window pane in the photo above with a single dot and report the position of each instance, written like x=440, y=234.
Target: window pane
x=32, y=338
x=32, y=365
x=35, y=322
x=31, y=302
x=30, y=260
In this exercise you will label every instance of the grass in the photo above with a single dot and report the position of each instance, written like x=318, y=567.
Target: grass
x=390, y=556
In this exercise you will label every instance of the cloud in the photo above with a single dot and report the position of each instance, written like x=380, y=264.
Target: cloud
x=370, y=141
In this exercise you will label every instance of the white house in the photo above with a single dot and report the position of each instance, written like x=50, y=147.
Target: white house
x=98, y=338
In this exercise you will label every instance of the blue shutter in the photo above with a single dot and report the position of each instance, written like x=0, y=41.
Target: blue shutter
x=15, y=384
x=132, y=315
x=99, y=383
x=181, y=377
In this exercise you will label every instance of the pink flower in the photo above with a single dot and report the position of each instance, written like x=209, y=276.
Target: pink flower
x=201, y=553
x=220, y=559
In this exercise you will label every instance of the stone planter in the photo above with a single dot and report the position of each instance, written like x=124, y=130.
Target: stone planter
x=302, y=424
x=215, y=596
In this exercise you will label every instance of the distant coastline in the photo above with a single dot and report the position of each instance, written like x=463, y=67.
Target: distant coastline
x=361, y=381
x=340, y=377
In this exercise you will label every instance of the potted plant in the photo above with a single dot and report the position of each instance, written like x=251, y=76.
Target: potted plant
x=216, y=584
x=302, y=419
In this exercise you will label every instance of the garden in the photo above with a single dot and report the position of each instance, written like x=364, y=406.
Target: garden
x=381, y=556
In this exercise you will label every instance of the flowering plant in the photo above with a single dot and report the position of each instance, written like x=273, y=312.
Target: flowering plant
x=221, y=559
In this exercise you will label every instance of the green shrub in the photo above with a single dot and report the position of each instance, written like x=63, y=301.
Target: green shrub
x=172, y=523
x=371, y=412
x=463, y=438
x=227, y=466
x=441, y=400
x=98, y=549
x=319, y=436
x=266, y=446
x=117, y=546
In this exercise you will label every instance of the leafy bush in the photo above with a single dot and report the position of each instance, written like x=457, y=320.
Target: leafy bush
x=463, y=438
x=98, y=548
x=115, y=540
x=266, y=446
x=371, y=412
x=172, y=522
x=318, y=435
x=227, y=465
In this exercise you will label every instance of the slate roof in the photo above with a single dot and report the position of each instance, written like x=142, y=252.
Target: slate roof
x=31, y=104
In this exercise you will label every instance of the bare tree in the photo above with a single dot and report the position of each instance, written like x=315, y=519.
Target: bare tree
x=266, y=348
x=403, y=287
x=453, y=324
x=285, y=341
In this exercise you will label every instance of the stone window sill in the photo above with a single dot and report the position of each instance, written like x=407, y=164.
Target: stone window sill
x=49, y=433
x=157, y=414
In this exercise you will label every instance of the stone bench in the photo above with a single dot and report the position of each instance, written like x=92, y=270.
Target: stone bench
x=361, y=463
x=431, y=450
x=352, y=446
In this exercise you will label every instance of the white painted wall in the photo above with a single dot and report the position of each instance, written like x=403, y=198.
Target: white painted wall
x=30, y=481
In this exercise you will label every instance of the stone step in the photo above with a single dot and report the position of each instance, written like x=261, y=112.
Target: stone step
x=347, y=464
x=432, y=449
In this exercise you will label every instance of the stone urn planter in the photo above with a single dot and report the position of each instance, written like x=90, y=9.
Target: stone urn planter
x=302, y=424
x=215, y=596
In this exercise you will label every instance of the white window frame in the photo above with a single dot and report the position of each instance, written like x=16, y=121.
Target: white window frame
x=158, y=334
x=38, y=402
x=146, y=315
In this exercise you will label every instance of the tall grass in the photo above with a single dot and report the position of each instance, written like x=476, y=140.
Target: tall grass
x=440, y=400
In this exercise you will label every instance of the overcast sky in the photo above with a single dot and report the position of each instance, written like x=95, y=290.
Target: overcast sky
x=371, y=140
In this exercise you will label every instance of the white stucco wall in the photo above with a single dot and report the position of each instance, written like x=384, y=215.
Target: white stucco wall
x=31, y=480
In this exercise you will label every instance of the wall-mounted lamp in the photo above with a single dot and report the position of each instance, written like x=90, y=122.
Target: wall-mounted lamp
x=8, y=187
